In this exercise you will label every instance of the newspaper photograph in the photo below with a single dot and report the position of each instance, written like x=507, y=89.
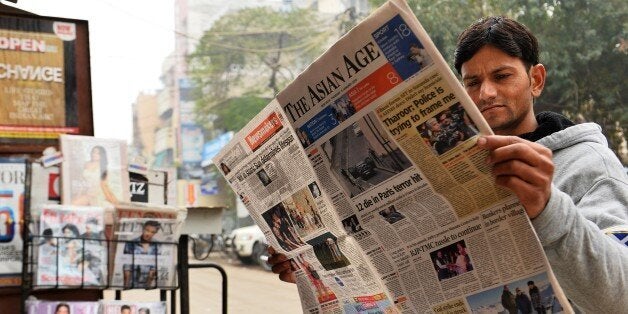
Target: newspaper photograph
x=364, y=171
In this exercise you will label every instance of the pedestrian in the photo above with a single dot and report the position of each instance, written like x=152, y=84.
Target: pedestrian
x=569, y=182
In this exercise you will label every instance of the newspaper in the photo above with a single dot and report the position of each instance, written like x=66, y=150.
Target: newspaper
x=364, y=171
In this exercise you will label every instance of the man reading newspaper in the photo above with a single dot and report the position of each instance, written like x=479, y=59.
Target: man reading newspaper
x=571, y=185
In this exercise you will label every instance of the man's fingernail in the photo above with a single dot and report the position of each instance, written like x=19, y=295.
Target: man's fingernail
x=481, y=141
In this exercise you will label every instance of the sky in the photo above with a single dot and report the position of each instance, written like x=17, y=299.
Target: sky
x=129, y=41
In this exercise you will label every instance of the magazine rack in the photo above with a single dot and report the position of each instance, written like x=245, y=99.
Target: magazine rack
x=84, y=276
x=30, y=264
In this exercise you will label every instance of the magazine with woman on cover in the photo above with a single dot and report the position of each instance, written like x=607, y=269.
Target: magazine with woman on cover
x=94, y=171
x=71, y=247
x=60, y=307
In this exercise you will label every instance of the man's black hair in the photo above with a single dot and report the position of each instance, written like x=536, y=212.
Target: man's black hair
x=505, y=34
x=47, y=233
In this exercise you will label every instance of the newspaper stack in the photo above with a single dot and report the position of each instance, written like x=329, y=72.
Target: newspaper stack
x=365, y=172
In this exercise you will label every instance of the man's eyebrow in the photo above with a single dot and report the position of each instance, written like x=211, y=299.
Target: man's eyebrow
x=496, y=70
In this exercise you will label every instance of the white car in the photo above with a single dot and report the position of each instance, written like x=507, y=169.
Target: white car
x=250, y=246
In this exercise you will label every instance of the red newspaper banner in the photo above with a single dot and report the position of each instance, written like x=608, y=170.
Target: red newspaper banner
x=378, y=83
x=264, y=131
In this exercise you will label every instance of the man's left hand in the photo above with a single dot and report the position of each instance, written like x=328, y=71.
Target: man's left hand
x=526, y=168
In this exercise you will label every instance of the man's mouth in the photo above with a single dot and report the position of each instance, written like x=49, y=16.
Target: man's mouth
x=489, y=107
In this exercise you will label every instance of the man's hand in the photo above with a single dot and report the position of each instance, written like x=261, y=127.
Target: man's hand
x=524, y=167
x=281, y=266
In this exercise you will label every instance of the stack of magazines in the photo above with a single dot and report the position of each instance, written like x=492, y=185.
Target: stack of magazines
x=96, y=237
x=101, y=307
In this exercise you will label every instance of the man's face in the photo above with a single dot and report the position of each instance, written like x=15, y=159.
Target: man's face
x=148, y=233
x=126, y=311
x=89, y=228
x=503, y=89
x=433, y=125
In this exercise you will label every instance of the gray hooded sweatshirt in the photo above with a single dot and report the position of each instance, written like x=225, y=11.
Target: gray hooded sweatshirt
x=589, y=194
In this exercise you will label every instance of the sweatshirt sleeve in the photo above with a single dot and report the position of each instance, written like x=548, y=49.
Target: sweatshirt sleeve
x=590, y=266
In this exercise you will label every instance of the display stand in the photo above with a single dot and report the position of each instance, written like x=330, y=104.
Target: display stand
x=30, y=262
x=78, y=116
x=199, y=220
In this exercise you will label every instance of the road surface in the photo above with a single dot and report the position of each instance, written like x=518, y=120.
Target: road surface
x=251, y=290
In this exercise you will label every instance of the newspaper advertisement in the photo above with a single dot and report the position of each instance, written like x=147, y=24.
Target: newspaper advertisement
x=364, y=171
x=145, y=254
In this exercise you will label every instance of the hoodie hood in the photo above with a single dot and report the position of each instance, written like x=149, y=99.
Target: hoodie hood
x=556, y=132
x=580, y=133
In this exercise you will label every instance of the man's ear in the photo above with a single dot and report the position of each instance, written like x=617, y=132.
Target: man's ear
x=537, y=79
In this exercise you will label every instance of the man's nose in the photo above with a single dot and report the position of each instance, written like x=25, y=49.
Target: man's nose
x=488, y=91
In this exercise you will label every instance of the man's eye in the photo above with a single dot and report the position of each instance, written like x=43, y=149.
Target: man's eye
x=470, y=83
x=501, y=76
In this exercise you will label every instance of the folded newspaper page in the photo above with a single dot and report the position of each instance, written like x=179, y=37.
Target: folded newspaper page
x=364, y=171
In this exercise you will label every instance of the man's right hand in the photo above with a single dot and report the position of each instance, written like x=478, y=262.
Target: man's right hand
x=281, y=265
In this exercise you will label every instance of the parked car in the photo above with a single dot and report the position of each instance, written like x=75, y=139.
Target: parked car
x=250, y=246
x=362, y=170
x=356, y=129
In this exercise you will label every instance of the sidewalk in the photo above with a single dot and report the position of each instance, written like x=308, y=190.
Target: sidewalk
x=251, y=290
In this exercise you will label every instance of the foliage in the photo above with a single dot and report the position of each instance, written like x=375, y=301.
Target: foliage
x=235, y=113
x=253, y=51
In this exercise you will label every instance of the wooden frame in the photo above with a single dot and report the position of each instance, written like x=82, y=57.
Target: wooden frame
x=77, y=101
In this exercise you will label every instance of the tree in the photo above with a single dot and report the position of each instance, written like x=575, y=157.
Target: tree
x=253, y=52
x=236, y=112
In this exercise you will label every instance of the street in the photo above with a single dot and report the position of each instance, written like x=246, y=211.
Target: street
x=251, y=290
x=351, y=149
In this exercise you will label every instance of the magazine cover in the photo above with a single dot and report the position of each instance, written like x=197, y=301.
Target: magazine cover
x=148, y=187
x=12, y=171
x=146, y=253
x=142, y=210
x=45, y=185
x=125, y=307
x=94, y=171
x=61, y=307
x=71, y=247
